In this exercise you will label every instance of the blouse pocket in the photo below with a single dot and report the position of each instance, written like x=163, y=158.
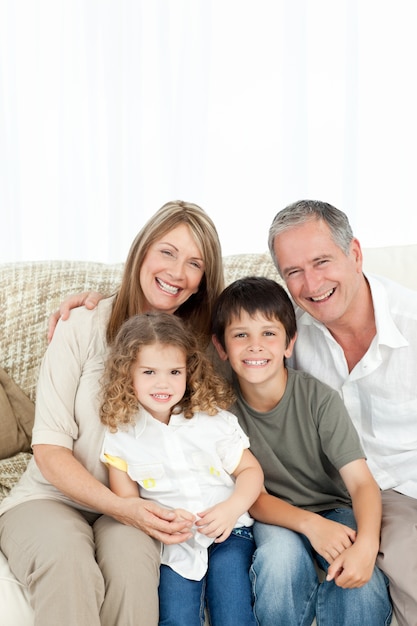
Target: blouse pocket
x=150, y=477
x=211, y=469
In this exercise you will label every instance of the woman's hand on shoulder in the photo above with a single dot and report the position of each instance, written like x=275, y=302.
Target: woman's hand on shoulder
x=89, y=299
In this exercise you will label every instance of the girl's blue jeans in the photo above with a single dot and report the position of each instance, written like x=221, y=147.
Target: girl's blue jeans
x=225, y=589
x=287, y=590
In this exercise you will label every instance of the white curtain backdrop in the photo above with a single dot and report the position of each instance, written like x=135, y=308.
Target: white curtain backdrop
x=110, y=108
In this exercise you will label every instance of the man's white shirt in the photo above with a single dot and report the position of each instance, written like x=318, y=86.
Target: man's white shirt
x=380, y=392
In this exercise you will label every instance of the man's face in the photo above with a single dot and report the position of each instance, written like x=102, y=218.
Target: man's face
x=321, y=279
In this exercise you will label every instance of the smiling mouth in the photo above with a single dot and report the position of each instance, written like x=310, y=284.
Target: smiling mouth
x=257, y=363
x=323, y=297
x=167, y=288
x=161, y=396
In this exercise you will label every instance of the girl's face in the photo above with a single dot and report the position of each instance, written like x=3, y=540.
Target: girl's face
x=159, y=379
x=171, y=270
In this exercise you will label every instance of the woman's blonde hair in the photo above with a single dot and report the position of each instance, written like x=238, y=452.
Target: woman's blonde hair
x=205, y=390
x=197, y=310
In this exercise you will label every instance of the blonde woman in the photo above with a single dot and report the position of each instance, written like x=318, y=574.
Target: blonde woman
x=60, y=527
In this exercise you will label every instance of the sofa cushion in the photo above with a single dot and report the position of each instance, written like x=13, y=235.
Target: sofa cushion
x=17, y=413
x=14, y=599
x=11, y=470
x=29, y=292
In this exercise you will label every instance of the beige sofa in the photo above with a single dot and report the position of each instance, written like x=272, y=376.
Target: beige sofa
x=30, y=291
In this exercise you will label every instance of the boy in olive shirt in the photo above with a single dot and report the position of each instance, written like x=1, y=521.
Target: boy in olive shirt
x=321, y=505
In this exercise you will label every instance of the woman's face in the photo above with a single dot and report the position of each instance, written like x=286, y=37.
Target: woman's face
x=171, y=270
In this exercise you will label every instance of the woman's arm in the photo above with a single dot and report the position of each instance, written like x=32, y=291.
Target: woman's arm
x=59, y=466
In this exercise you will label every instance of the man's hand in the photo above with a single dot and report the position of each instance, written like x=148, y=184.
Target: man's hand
x=89, y=299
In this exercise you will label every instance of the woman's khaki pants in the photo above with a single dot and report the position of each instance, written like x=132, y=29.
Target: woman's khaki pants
x=80, y=571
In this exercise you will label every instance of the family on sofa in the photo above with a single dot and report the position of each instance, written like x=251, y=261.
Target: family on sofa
x=60, y=529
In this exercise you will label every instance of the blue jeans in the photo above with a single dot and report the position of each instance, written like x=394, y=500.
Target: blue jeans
x=225, y=589
x=287, y=589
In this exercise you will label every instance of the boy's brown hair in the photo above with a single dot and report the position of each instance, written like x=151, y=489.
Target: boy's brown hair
x=253, y=294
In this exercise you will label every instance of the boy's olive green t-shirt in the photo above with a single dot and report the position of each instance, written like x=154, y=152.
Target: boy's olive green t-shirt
x=302, y=443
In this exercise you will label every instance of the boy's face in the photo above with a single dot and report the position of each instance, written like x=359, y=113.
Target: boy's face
x=255, y=347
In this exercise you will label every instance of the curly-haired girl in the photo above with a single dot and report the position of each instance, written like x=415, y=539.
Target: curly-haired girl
x=170, y=439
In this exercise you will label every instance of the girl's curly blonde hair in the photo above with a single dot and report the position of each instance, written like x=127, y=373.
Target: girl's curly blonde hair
x=205, y=390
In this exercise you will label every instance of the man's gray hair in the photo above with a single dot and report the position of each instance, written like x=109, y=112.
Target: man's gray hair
x=304, y=211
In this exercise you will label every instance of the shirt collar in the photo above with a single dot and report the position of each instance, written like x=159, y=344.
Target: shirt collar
x=144, y=418
x=387, y=331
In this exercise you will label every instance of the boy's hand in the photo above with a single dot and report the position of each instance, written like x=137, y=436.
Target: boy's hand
x=218, y=521
x=329, y=538
x=354, y=567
